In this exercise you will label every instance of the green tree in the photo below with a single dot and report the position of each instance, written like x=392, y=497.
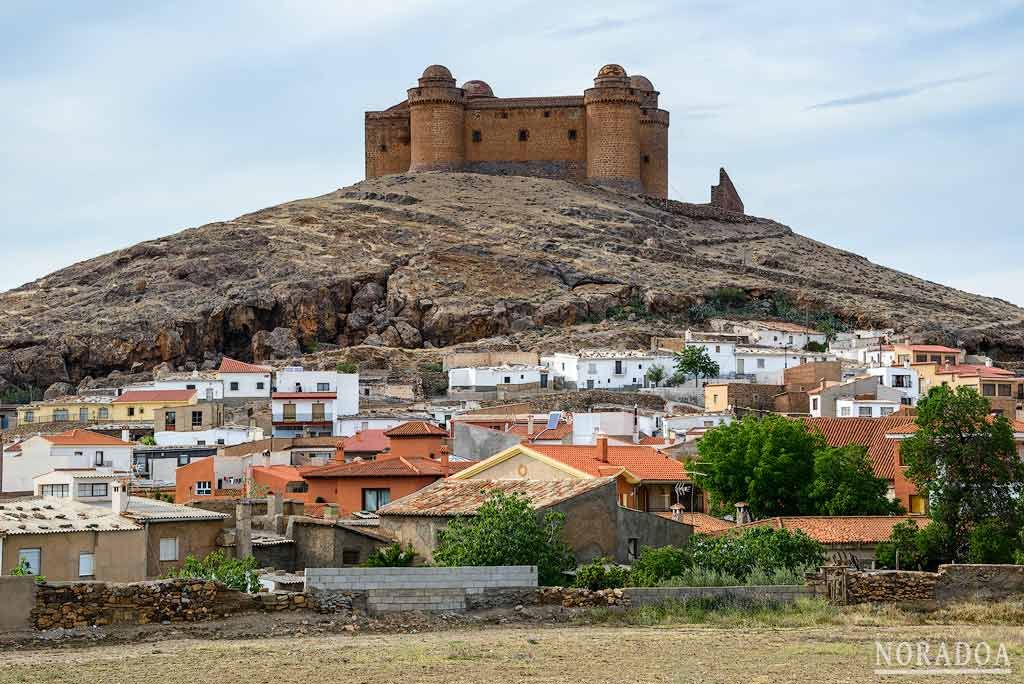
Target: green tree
x=695, y=361
x=992, y=541
x=507, y=531
x=347, y=367
x=963, y=460
x=913, y=548
x=845, y=484
x=767, y=463
x=148, y=440
x=655, y=374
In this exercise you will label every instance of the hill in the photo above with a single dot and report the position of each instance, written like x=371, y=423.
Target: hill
x=439, y=259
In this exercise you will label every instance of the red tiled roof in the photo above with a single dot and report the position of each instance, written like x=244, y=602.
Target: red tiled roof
x=415, y=428
x=304, y=395
x=463, y=497
x=843, y=529
x=656, y=441
x=980, y=370
x=644, y=462
x=911, y=428
x=702, y=522
x=84, y=438
x=367, y=441
x=869, y=433
x=281, y=473
x=137, y=396
x=232, y=366
x=388, y=467
x=541, y=431
x=938, y=348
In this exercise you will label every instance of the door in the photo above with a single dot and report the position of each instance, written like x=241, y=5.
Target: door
x=739, y=366
x=289, y=412
x=590, y=384
x=318, y=412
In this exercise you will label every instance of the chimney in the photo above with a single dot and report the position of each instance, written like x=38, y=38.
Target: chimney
x=119, y=497
x=339, y=454
x=677, y=511
x=602, y=446
x=529, y=426
x=742, y=513
x=988, y=362
x=126, y=435
x=243, y=529
x=444, y=462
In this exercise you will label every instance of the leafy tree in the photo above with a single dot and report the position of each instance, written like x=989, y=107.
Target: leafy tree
x=696, y=361
x=347, y=367
x=991, y=541
x=659, y=564
x=392, y=556
x=964, y=461
x=918, y=548
x=845, y=484
x=655, y=374
x=767, y=463
x=757, y=548
x=237, y=573
x=507, y=531
x=831, y=330
x=817, y=347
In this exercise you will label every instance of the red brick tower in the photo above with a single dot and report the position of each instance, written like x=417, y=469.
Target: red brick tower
x=653, y=139
x=436, y=114
x=613, y=130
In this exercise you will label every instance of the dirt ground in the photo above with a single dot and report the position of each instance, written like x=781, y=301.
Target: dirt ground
x=508, y=653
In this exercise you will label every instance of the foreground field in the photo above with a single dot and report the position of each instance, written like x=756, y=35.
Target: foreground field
x=828, y=653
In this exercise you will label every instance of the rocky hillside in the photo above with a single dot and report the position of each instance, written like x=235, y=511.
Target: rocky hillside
x=441, y=259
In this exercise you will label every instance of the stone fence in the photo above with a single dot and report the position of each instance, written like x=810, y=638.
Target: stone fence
x=383, y=590
x=967, y=582
x=83, y=604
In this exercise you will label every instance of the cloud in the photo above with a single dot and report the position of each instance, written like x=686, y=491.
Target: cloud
x=896, y=93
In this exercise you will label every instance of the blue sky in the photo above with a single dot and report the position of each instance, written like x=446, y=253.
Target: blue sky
x=894, y=130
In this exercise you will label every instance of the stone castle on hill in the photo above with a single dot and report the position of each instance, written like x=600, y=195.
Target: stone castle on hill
x=613, y=134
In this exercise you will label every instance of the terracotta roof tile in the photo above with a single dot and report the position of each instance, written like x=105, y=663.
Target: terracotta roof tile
x=979, y=370
x=464, y=497
x=415, y=428
x=938, y=348
x=138, y=396
x=541, y=431
x=84, y=438
x=644, y=462
x=869, y=433
x=702, y=522
x=387, y=467
x=852, y=529
x=367, y=442
x=232, y=366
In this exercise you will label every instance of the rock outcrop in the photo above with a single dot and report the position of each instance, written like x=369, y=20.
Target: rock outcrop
x=438, y=259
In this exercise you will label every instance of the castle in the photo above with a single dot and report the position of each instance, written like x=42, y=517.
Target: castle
x=612, y=135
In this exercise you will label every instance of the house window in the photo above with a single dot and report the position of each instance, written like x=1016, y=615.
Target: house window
x=60, y=490
x=233, y=386
x=524, y=135
x=375, y=498
x=988, y=389
x=60, y=415
x=197, y=418
x=791, y=339
x=864, y=411
x=31, y=556
x=935, y=358
x=918, y=504
x=182, y=460
x=814, y=403
x=760, y=363
x=93, y=489
x=1004, y=390
x=572, y=134
x=504, y=115
x=220, y=442
x=30, y=417
x=618, y=367
x=718, y=349
x=709, y=423
x=887, y=410
x=844, y=412
x=323, y=387
x=169, y=549
x=131, y=410
x=547, y=114
x=633, y=548
x=200, y=442
x=203, y=488
x=383, y=148
x=97, y=458
x=289, y=411
x=477, y=136
x=86, y=564
x=104, y=413
x=350, y=556
x=508, y=379
x=901, y=381
x=191, y=387
x=260, y=385
x=920, y=358
x=83, y=415
x=170, y=420
x=365, y=425
x=591, y=369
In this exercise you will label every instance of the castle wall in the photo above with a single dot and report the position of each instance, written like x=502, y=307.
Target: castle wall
x=387, y=143
x=437, y=136
x=654, y=152
x=613, y=143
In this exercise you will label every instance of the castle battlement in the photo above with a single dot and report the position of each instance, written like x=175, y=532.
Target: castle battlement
x=613, y=134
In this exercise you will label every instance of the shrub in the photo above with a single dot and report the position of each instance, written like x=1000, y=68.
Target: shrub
x=237, y=573
x=658, y=564
x=818, y=347
x=991, y=542
x=347, y=367
x=601, y=573
x=393, y=556
x=761, y=547
x=148, y=440
x=507, y=531
x=918, y=548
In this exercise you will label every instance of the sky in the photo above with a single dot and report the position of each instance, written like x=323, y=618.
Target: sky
x=893, y=130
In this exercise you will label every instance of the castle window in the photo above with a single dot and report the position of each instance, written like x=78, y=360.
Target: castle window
x=572, y=134
x=504, y=115
x=383, y=148
x=524, y=135
x=547, y=115
x=647, y=159
x=477, y=136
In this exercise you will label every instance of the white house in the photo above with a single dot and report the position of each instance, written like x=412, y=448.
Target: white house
x=721, y=348
x=680, y=425
x=75, y=449
x=226, y=435
x=623, y=425
x=607, y=368
x=866, y=408
x=312, y=403
x=492, y=379
x=244, y=380
x=780, y=334
x=88, y=485
x=208, y=385
x=348, y=426
x=767, y=364
x=903, y=378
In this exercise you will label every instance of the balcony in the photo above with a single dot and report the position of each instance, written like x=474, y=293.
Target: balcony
x=302, y=418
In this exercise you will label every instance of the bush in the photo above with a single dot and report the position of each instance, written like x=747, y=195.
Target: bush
x=393, y=556
x=658, y=564
x=148, y=440
x=818, y=347
x=992, y=542
x=347, y=367
x=758, y=548
x=507, y=531
x=601, y=573
x=919, y=548
x=236, y=573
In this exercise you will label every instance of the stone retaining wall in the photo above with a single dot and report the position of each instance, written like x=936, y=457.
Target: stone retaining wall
x=959, y=582
x=890, y=586
x=83, y=604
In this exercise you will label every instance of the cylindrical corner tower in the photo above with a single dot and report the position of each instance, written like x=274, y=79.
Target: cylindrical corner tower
x=436, y=113
x=613, y=130
x=653, y=139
